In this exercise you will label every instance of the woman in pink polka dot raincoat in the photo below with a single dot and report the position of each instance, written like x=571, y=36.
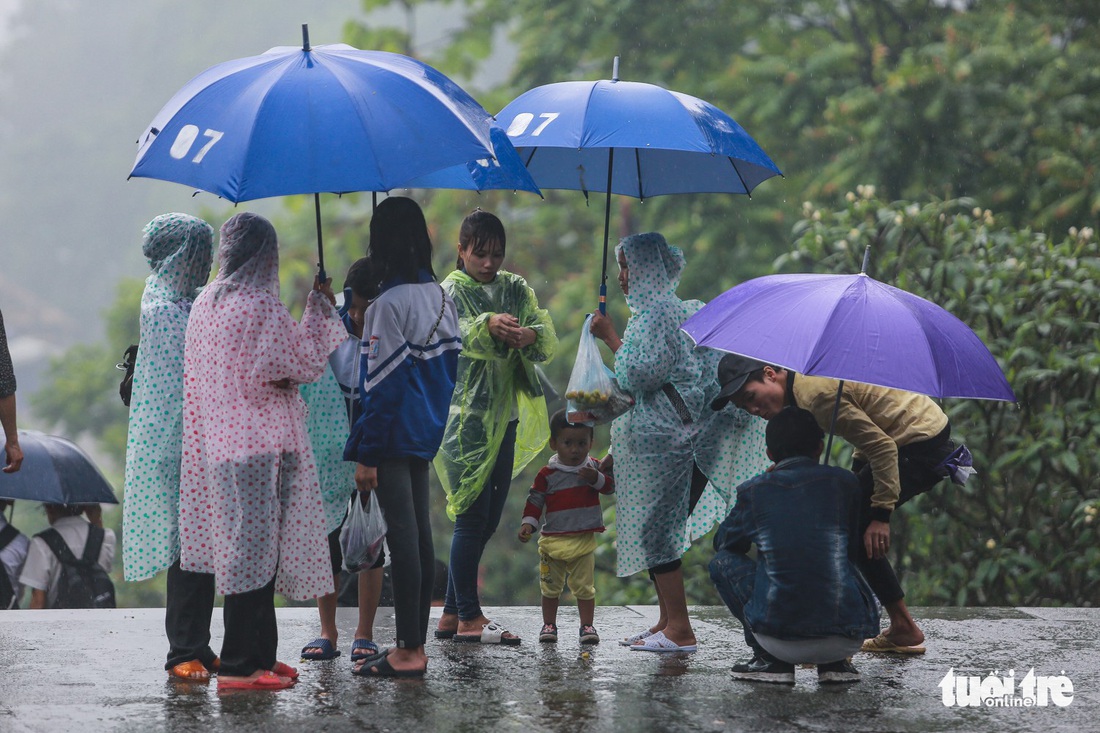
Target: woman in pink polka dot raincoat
x=250, y=503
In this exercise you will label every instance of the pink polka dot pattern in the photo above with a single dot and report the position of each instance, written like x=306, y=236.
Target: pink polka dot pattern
x=250, y=502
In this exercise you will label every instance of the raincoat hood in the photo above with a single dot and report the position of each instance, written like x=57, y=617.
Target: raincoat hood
x=179, y=248
x=655, y=267
x=249, y=253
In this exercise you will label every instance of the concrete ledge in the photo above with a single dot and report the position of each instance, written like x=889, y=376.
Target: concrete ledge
x=102, y=671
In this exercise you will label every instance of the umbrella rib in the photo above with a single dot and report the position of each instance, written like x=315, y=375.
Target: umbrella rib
x=748, y=191
x=638, y=168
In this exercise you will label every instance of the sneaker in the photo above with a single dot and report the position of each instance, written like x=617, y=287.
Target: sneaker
x=549, y=634
x=589, y=635
x=761, y=670
x=837, y=673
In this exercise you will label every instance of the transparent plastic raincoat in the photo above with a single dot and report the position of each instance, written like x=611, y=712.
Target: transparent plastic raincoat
x=180, y=250
x=654, y=447
x=494, y=382
x=328, y=428
x=250, y=504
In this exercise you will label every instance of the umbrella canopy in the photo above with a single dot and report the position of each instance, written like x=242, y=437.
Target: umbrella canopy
x=55, y=471
x=651, y=141
x=299, y=120
x=854, y=328
x=504, y=172
x=633, y=139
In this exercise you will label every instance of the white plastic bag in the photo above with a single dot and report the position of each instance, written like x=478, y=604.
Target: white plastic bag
x=362, y=534
x=593, y=394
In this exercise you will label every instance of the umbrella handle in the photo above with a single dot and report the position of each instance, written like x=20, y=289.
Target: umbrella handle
x=603, y=298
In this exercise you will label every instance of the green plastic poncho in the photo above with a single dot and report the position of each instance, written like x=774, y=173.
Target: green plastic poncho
x=180, y=250
x=494, y=383
x=653, y=447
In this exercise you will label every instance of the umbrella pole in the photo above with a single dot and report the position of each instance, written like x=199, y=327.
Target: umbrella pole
x=320, y=247
x=832, y=423
x=606, y=229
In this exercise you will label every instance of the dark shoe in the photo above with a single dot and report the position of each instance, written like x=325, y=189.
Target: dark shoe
x=589, y=635
x=549, y=634
x=761, y=670
x=837, y=673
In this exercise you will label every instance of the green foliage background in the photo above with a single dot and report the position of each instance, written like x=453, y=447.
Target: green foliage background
x=957, y=140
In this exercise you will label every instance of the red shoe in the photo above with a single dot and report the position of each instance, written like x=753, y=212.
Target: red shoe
x=266, y=680
x=285, y=670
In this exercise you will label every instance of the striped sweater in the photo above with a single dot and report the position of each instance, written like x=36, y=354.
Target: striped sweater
x=567, y=505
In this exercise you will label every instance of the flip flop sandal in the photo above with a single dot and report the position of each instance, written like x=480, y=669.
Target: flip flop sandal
x=660, y=643
x=266, y=681
x=381, y=667
x=632, y=640
x=881, y=645
x=285, y=670
x=444, y=634
x=327, y=650
x=192, y=671
x=490, y=634
x=363, y=649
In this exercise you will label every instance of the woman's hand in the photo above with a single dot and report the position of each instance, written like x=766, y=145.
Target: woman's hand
x=366, y=477
x=603, y=328
x=504, y=327
x=325, y=289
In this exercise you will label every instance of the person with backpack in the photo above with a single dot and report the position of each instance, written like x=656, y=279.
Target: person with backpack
x=64, y=568
x=13, y=553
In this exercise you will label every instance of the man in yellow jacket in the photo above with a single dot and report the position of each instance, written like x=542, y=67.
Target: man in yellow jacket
x=903, y=448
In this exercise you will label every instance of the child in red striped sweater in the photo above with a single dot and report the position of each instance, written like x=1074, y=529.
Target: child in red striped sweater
x=566, y=494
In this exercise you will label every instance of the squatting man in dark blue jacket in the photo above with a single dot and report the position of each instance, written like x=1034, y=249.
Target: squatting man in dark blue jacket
x=801, y=600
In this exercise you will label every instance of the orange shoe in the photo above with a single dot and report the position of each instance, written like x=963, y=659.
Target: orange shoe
x=191, y=670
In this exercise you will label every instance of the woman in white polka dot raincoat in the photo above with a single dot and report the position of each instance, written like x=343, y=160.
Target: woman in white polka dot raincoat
x=180, y=251
x=677, y=463
x=250, y=502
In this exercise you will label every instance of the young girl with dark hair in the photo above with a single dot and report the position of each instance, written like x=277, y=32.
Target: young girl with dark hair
x=407, y=374
x=497, y=420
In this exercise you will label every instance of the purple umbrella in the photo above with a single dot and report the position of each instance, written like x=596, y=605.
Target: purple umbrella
x=851, y=327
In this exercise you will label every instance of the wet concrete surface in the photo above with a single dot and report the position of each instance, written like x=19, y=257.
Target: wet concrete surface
x=91, y=671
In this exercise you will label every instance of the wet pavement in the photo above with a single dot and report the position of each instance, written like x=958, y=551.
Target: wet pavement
x=102, y=671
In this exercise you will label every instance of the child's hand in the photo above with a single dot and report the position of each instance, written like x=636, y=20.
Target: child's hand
x=525, y=531
x=607, y=465
x=589, y=475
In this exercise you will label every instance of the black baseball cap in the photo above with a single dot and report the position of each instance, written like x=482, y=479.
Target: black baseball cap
x=733, y=372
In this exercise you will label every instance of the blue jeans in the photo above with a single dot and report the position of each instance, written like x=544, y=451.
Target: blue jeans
x=473, y=528
x=734, y=577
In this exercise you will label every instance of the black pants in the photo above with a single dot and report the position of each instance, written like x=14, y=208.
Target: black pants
x=187, y=612
x=403, y=495
x=917, y=470
x=251, y=634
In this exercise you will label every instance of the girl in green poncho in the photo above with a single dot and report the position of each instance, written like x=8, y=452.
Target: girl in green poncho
x=498, y=420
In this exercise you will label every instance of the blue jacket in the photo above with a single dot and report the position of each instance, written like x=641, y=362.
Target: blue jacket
x=407, y=373
x=804, y=520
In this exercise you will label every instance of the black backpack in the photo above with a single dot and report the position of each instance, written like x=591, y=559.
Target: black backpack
x=7, y=592
x=83, y=583
x=126, y=386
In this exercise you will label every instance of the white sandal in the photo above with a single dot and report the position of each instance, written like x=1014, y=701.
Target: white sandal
x=491, y=633
x=632, y=640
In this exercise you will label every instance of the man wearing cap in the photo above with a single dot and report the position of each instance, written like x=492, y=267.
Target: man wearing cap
x=801, y=600
x=902, y=449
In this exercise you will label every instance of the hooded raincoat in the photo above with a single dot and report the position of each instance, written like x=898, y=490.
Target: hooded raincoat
x=654, y=447
x=179, y=249
x=250, y=504
x=494, y=384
